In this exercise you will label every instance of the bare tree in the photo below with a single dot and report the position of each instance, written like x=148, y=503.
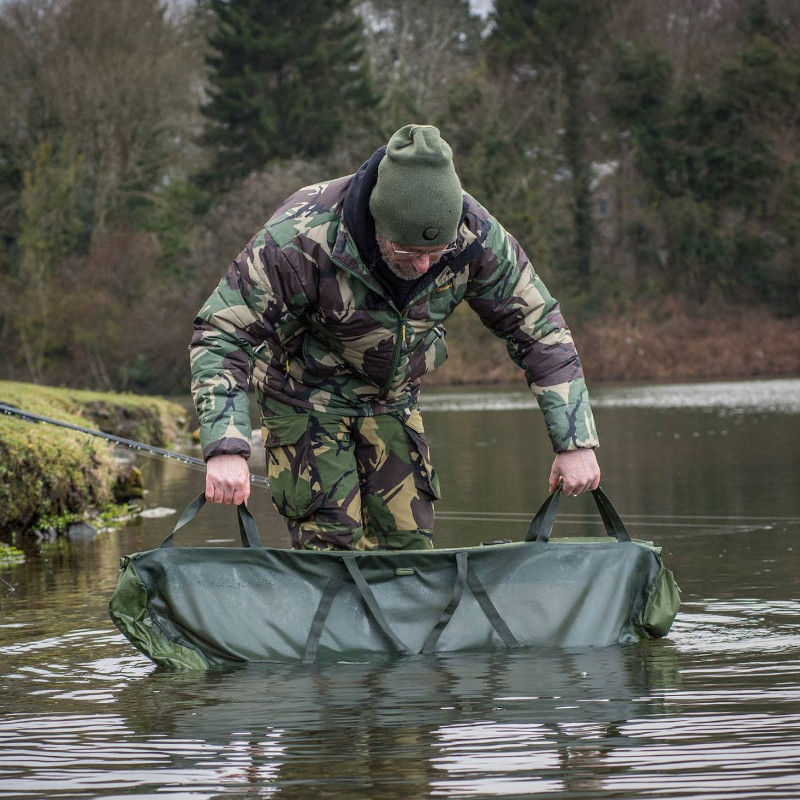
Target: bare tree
x=100, y=110
x=416, y=50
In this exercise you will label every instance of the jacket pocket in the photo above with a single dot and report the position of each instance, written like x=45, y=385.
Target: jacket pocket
x=427, y=355
x=436, y=351
x=291, y=465
x=425, y=477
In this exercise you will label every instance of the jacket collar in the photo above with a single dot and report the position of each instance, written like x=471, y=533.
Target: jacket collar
x=355, y=208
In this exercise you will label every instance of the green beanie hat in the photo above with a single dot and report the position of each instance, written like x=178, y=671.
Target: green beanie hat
x=417, y=198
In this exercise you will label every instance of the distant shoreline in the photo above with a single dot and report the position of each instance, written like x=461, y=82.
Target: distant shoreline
x=654, y=343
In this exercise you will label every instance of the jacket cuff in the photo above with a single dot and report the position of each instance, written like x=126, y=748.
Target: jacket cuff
x=568, y=415
x=227, y=446
x=228, y=430
x=571, y=428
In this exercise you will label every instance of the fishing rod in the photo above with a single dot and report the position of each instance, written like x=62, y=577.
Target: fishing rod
x=146, y=449
x=666, y=520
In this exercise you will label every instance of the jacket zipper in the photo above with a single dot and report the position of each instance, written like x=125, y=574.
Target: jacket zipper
x=401, y=328
x=398, y=349
x=401, y=331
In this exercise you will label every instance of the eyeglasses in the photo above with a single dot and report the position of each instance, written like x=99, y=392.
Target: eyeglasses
x=445, y=251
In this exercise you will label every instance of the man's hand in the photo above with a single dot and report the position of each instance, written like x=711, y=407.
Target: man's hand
x=227, y=479
x=578, y=469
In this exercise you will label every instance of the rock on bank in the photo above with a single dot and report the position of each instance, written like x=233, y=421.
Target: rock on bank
x=49, y=471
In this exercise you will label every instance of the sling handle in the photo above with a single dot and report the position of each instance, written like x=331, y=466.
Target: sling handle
x=542, y=524
x=248, y=529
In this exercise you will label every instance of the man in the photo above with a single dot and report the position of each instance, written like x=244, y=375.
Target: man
x=334, y=311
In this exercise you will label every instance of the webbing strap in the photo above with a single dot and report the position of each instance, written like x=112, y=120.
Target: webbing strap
x=462, y=563
x=321, y=614
x=465, y=576
x=542, y=524
x=188, y=515
x=611, y=519
x=372, y=604
x=248, y=529
x=492, y=614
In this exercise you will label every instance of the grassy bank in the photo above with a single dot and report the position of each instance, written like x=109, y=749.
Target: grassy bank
x=670, y=340
x=47, y=471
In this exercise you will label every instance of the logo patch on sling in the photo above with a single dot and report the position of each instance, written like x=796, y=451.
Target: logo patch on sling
x=404, y=571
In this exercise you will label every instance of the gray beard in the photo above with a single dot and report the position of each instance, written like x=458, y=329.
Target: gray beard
x=394, y=267
x=395, y=270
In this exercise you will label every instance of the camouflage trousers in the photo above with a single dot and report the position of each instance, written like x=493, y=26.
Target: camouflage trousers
x=351, y=483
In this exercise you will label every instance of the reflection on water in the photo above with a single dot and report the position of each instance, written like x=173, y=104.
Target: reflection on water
x=713, y=711
x=417, y=727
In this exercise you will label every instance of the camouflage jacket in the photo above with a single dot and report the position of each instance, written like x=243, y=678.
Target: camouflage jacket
x=301, y=315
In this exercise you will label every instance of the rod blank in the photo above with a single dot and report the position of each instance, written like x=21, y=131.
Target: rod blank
x=147, y=449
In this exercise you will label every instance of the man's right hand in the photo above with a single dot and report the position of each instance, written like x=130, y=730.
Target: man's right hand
x=227, y=479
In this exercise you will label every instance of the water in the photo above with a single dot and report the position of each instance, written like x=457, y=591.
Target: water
x=708, y=471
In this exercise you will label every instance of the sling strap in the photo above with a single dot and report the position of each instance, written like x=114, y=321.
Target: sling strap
x=462, y=564
x=492, y=614
x=372, y=604
x=542, y=524
x=321, y=614
x=330, y=591
x=248, y=530
x=465, y=576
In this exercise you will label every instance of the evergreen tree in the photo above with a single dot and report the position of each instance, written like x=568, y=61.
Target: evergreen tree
x=718, y=159
x=285, y=79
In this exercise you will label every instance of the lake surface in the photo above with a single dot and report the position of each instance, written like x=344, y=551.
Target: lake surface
x=709, y=471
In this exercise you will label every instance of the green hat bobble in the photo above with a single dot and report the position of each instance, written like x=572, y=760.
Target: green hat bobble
x=417, y=199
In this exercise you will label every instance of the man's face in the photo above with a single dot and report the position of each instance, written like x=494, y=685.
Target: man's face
x=409, y=262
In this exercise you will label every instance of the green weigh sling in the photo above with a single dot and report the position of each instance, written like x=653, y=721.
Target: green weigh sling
x=202, y=607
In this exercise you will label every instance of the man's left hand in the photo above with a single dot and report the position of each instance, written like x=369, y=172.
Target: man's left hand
x=578, y=471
